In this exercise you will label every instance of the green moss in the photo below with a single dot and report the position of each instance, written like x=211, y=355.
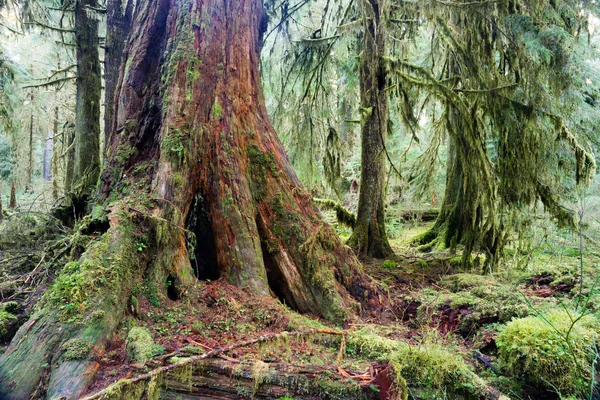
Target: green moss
x=5, y=318
x=389, y=264
x=458, y=282
x=550, y=351
x=174, y=146
x=343, y=215
x=217, y=110
x=139, y=345
x=429, y=369
x=261, y=163
x=124, y=152
x=76, y=349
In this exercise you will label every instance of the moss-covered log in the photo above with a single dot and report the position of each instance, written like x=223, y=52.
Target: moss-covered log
x=192, y=146
x=226, y=379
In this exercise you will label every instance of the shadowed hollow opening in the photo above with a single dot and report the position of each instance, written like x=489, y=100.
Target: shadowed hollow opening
x=204, y=257
x=277, y=283
x=172, y=292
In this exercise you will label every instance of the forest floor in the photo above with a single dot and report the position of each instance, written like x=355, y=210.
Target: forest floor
x=433, y=305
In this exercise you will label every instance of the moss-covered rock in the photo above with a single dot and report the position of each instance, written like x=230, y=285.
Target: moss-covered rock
x=552, y=351
x=139, y=345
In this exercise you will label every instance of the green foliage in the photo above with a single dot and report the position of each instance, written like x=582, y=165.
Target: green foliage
x=5, y=318
x=553, y=350
x=139, y=345
x=175, y=145
x=389, y=264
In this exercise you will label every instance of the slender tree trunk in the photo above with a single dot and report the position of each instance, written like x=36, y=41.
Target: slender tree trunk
x=29, y=185
x=118, y=23
x=87, y=108
x=69, y=135
x=369, y=237
x=193, y=147
x=13, y=195
x=55, y=153
x=48, y=150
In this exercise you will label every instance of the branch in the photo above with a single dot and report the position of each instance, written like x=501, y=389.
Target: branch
x=54, y=28
x=54, y=82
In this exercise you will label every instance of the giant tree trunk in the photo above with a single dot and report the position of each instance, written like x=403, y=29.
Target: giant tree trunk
x=87, y=108
x=118, y=21
x=369, y=236
x=192, y=147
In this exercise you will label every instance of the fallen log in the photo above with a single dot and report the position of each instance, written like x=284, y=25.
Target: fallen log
x=420, y=215
x=224, y=379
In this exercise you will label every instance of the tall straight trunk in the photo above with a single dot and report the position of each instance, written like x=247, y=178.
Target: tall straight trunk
x=369, y=237
x=192, y=148
x=12, y=203
x=87, y=107
x=48, y=149
x=69, y=135
x=55, y=152
x=118, y=23
x=29, y=185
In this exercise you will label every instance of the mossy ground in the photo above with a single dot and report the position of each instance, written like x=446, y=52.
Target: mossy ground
x=439, y=333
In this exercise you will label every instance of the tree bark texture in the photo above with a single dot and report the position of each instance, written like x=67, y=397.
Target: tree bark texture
x=118, y=23
x=87, y=107
x=369, y=237
x=192, y=148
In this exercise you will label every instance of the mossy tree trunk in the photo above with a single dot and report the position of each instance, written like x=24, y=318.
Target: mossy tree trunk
x=118, y=22
x=461, y=220
x=192, y=148
x=370, y=237
x=87, y=107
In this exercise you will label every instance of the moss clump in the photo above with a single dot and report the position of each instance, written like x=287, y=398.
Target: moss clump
x=458, y=282
x=429, y=368
x=139, y=345
x=5, y=318
x=550, y=351
x=76, y=349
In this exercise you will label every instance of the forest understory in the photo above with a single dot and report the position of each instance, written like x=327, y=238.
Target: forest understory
x=299, y=199
x=444, y=331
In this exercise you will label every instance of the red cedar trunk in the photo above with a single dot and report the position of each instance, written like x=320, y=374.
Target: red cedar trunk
x=191, y=138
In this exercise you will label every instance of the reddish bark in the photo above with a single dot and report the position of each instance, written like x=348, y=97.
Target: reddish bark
x=192, y=147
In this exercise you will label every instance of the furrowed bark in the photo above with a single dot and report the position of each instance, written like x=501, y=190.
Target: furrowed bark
x=192, y=147
x=118, y=22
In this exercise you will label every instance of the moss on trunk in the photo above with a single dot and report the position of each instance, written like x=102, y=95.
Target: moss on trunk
x=369, y=236
x=87, y=108
x=190, y=122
